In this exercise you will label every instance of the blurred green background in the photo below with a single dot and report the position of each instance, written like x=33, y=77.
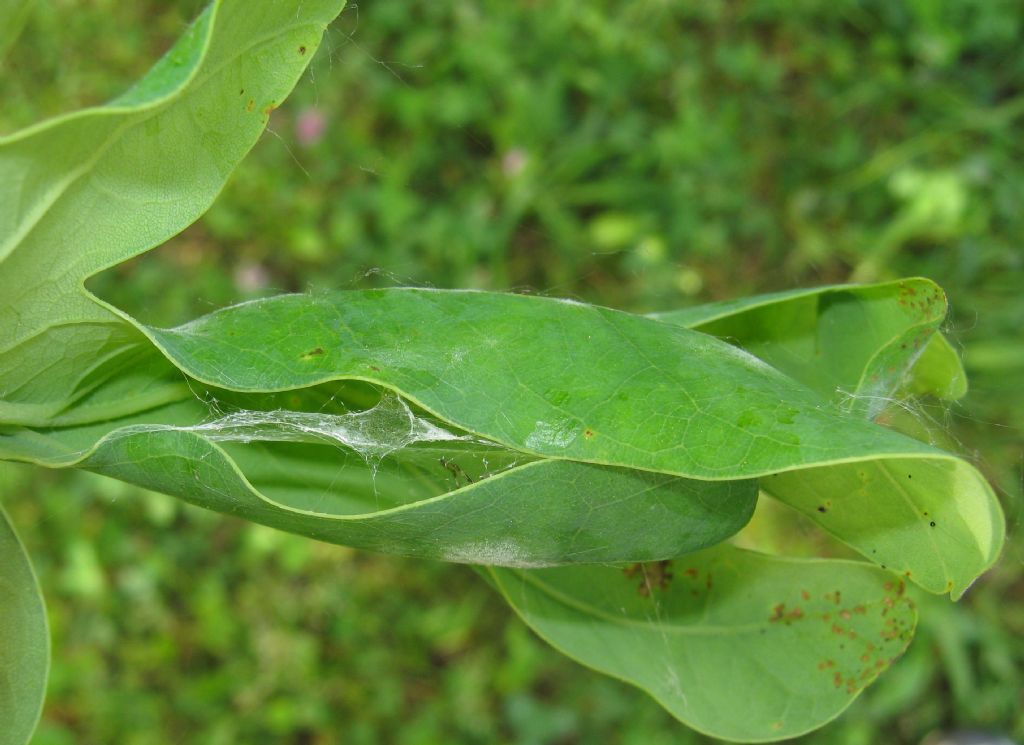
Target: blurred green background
x=643, y=155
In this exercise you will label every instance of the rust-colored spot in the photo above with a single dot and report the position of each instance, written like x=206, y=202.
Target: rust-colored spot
x=837, y=629
x=374, y=368
x=302, y=49
x=826, y=616
x=865, y=657
x=588, y=433
x=837, y=679
x=805, y=595
x=691, y=573
x=656, y=574
x=249, y=106
x=317, y=352
x=777, y=613
x=860, y=610
x=887, y=587
x=845, y=615
x=826, y=664
x=268, y=108
x=777, y=726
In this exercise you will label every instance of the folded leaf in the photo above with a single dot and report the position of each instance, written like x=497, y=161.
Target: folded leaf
x=438, y=495
x=861, y=345
x=857, y=344
x=553, y=379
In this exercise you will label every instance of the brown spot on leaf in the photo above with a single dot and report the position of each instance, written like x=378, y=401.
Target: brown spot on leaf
x=302, y=49
x=654, y=575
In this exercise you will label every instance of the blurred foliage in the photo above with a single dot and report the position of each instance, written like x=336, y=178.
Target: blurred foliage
x=642, y=155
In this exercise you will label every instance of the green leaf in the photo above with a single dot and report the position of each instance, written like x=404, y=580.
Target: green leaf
x=462, y=499
x=91, y=189
x=25, y=652
x=862, y=345
x=856, y=344
x=81, y=385
x=737, y=645
x=568, y=381
x=938, y=372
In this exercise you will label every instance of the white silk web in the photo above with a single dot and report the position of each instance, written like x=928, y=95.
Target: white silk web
x=373, y=433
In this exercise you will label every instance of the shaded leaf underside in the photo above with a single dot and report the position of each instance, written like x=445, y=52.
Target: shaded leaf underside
x=735, y=644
